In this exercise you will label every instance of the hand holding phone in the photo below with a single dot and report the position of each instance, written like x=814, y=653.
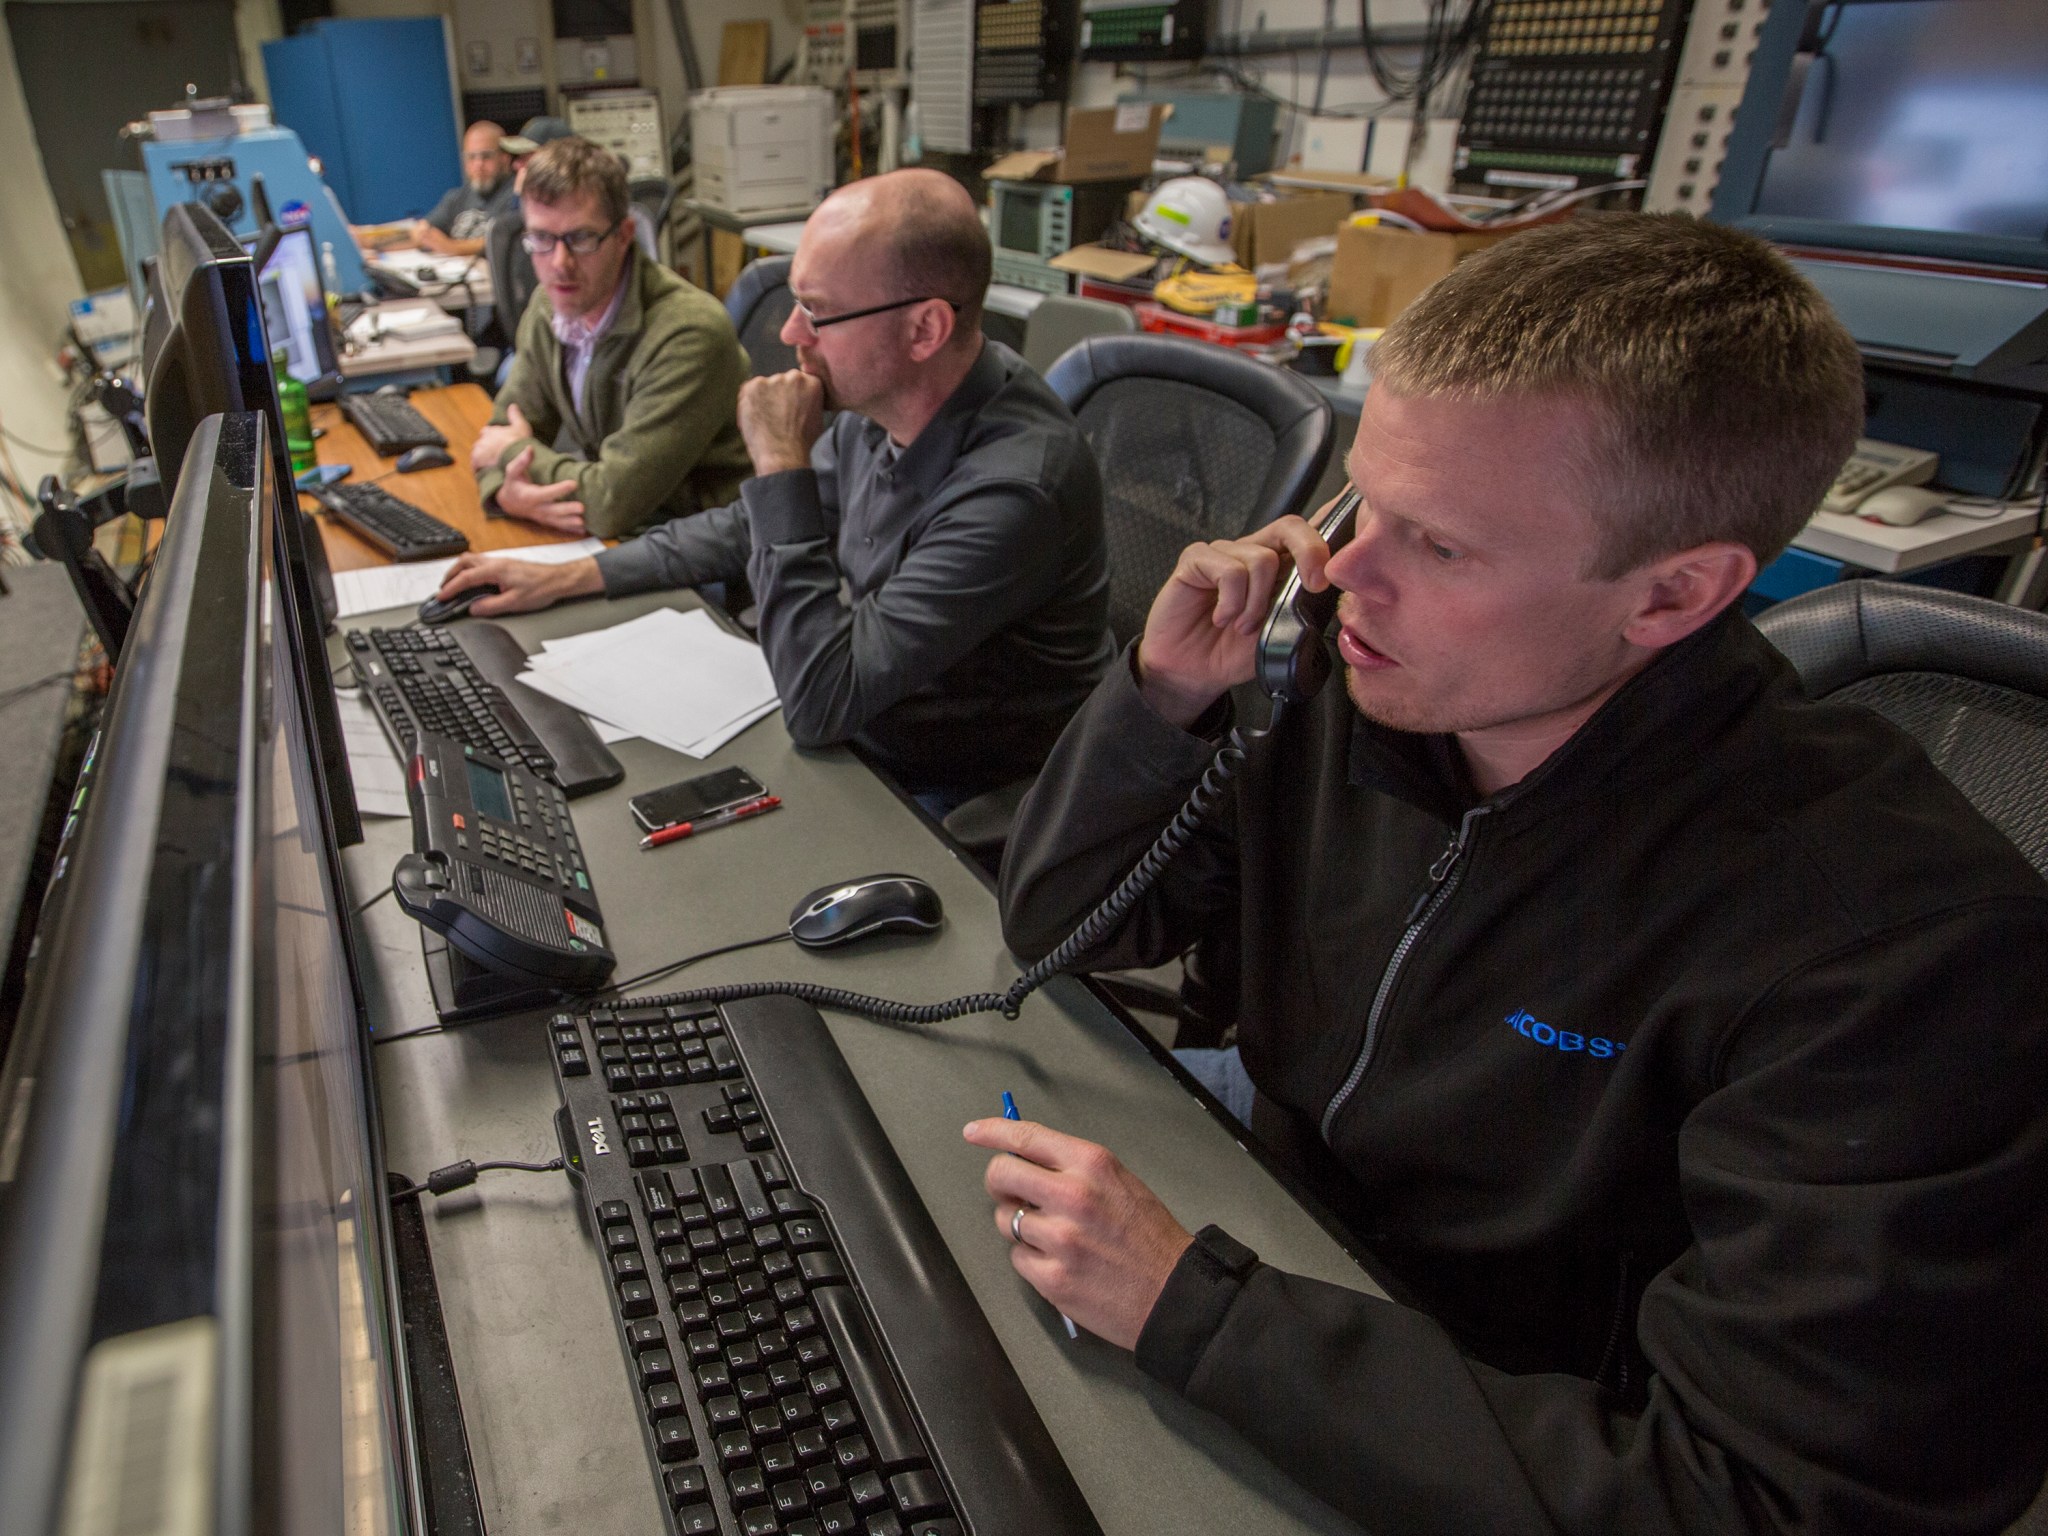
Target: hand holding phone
x=1202, y=636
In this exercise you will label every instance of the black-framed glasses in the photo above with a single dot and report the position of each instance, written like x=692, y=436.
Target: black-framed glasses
x=820, y=322
x=581, y=242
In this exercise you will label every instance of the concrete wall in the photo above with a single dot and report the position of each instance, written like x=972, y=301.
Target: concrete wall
x=37, y=281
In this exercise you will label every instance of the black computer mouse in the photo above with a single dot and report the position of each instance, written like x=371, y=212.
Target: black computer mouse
x=854, y=909
x=428, y=457
x=435, y=611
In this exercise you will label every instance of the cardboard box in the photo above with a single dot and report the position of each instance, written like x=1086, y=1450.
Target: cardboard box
x=1269, y=232
x=1110, y=266
x=1379, y=271
x=1103, y=144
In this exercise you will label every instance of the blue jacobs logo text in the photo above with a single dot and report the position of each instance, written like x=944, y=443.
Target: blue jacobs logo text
x=1563, y=1039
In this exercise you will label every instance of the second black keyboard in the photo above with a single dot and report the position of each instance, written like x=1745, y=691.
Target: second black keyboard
x=454, y=681
x=804, y=1354
x=390, y=423
x=402, y=530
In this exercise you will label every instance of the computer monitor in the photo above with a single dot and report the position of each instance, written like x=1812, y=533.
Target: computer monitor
x=295, y=308
x=213, y=355
x=197, y=1302
x=1909, y=127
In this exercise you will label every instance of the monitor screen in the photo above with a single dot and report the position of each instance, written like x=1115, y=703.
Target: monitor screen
x=195, y=1279
x=295, y=308
x=1921, y=115
x=1017, y=220
x=214, y=355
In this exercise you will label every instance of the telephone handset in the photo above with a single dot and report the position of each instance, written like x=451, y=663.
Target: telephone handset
x=1293, y=662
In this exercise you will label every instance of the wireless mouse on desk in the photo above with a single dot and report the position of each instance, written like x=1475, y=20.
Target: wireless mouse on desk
x=854, y=909
x=423, y=458
x=435, y=611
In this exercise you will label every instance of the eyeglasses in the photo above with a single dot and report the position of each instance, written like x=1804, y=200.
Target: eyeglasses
x=581, y=242
x=820, y=322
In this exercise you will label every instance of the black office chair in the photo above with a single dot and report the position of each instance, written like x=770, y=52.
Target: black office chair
x=760, y=301
x=1965, y=677
x=1194, y=442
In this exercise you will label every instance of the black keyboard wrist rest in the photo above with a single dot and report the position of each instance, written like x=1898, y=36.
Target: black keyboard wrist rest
x=1006, y=1474
x=583, y=763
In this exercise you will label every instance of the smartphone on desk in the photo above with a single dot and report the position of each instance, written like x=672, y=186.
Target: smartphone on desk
x=692, y=798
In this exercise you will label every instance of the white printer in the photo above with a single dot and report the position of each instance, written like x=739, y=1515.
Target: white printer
x=762, y=149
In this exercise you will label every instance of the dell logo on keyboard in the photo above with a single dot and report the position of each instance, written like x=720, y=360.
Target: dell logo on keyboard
x=598, y=1145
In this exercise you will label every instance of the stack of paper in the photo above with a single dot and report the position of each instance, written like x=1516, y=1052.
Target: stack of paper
x=675, y=678
x=407, y=586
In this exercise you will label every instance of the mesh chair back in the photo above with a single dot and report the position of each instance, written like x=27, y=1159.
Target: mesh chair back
x=1965, y=677
x=1194, y=442
x=759, y=303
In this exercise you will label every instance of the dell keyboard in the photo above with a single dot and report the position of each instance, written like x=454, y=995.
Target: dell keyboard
x=455, y=682
x=804, y=1354
x=390, y=423
x=402, y=530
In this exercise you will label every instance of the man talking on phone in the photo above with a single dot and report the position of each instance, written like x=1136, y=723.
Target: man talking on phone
x=1678, y=1047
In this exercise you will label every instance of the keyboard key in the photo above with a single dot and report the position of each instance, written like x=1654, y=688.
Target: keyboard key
x=824, y=1482
x=715, y=1185
x=812, y=1353
x=655, y=1196
x=917, y=1492
x=755, y=1138
x=785, y=1376
x=640, y=1151
x=763, y=1423
x=734, y=1447
x=790, y=1498
x=697, y=1520
x=838, y=1520
x=884, y=1524
x=702, y=1345
x=747, y=1486
x=821, y=1267
x=772, y=1174
x=868, y=1492
x=797, y=1410
x=664, y=1399
x=646, y=1334
x=824, y=1385
x=929, y=1527
x=804, y=1234
x=674, y=1440
x=628, y=1266
x=636, y=1299
x=723, y=1412
x=811, y=1446
x=851, y=1455
x=761, y=1520
x=656, y=1365
x=684, y=1485
x=665, y=1230
x=753, y=1194
x=718, y=1119
x=777, y=1458
x=612, y=1213
x=743, y=1356
x=715, y=1377
x=723, y=1057
x=621, y=1239
x=838, y=1418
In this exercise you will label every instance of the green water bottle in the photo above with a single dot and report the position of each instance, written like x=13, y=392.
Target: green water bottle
x=298, y=415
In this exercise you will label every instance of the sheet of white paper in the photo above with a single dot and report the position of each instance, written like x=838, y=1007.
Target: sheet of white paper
x=608, y=733
x=379, y=780
x=409, y=585
x=712, y=685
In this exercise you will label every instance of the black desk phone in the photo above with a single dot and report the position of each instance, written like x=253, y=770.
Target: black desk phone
x=1293, y=661
x=497, y=869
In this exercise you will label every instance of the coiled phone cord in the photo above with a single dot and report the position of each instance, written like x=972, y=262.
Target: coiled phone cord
x=1096, y=927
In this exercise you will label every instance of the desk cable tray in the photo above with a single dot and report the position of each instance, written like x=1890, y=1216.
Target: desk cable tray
x=805, y=1356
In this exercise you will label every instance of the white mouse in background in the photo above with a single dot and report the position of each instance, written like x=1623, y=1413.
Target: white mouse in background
x=1903, y=505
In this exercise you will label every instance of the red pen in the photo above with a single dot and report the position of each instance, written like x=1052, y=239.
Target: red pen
x=683, y=829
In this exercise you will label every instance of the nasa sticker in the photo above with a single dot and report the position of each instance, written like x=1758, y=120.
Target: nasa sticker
x=584, y=929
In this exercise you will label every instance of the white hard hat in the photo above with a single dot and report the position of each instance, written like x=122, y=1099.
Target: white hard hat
x=1189, y=215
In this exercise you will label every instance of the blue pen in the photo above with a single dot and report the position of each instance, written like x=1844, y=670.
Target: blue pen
x=1010, y=1113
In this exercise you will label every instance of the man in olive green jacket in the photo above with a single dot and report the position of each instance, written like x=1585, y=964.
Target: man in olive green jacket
x=634, y=371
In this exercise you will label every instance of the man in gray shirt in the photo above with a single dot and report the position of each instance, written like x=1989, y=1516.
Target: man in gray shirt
x=930, y=569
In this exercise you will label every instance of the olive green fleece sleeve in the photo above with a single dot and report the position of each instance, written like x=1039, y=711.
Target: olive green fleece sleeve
x=683, y=392
x=525, y=389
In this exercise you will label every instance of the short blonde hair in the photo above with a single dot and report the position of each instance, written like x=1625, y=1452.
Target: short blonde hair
x=1727, y=393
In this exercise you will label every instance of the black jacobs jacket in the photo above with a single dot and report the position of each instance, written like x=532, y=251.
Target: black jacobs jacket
x=1694, y=1091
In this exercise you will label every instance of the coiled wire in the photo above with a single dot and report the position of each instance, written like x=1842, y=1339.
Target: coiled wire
x=1093, y=930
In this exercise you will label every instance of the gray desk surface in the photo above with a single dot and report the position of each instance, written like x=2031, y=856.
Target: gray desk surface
x=41, y=625
x=544, y=1390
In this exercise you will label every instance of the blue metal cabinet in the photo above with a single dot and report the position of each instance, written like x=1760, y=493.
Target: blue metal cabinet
x=375, y=100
